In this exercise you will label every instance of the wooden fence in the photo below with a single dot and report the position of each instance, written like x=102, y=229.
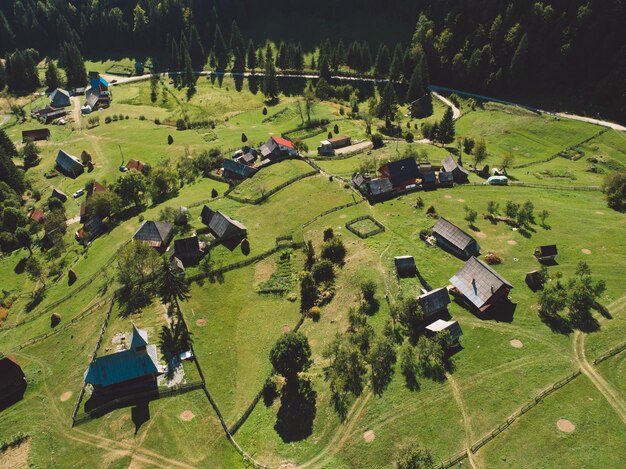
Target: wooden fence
x=614, y=351
x=378, y=230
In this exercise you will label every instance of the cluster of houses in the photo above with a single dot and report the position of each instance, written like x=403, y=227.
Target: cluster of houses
x=246, y=162
x=406, y=175
x=97, y=95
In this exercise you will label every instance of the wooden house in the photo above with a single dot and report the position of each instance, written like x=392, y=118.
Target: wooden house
x=421, y=107
x=459, y=173
x=129, y=370
x=234, y=170
x=92, y=228
x=156, y=234
x=440, y=325
x=60, y=98
x=69, y=165
x=136, y=165
x=405, y=265
x=546, y=254
x=453, y=239
x=221, y=226
x=36, y=134
x=446, y=179
x=12, y=381
x=434, y=301
x=533, y=280
x=277, y=147
x=328, y=147
x=401, y=173
x=37, y=215
x=187, y=250
x=379, y=188
x=480, y=285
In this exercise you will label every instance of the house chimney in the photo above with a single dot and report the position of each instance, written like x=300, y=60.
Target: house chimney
x=474, y=285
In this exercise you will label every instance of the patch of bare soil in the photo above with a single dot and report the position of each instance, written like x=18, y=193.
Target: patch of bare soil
x=460, y=200
x=16, y=457
x=448, y=196
x=201, y=322
x=600, y=213
x=512, y=242
x=284, y=329
x=586, y=251
x=565, y=425
x=263, y=270
x=287, y=465
x=369, y=436
x=186, y=416
x=481, y=235
x=65, y=396
x=516, y=343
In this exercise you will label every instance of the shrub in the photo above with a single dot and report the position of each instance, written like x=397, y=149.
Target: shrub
x=336, y=129
x=142, y=118
x=377, y=141
x=328, y=233
x=157, y=121
x=180, y=124
x=214, y=193
x=431, y=211
x=107, y=120
x=323, y=271
x=330, y=135
x=409, y=137
x=334, y=250
x=114, y=118
x=244, y=138
x=425, y=233
x=264, y=111
x=615, y=190
x=342, y=111
x=315, y=313
x=493, y=259
x=170, y=139
x=419, y=202
x=4, y=313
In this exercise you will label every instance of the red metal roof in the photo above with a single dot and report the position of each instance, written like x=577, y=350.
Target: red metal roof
x=136, y=165
x=37, y=215
x=283, y=142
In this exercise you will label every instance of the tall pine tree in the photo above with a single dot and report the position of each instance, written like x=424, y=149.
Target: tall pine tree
x=220, y=50
x=251, y=53
x=74, y=65
x=383, y=61
x=415, y=89
x=445, y=132
x=52, y=76
x=270, y=81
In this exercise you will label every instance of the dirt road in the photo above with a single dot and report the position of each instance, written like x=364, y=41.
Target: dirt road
x=76, y=122
x=456, y=112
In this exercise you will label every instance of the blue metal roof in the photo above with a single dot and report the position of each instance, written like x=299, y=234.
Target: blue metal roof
x=123, y=366
x=238, y=168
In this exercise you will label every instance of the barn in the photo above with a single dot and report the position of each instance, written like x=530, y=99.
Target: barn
x=69, y=165
x=453, y=239
x=480, y=285
x=434, y=301
x=156, y=234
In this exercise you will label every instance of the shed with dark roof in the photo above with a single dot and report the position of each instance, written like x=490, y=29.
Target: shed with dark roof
x=401, y=173
x=12, y=381
x=59, y=195
x=453, y=328
x=156, y=234
x=546, y=253
x=60, y=98
x=454, y=239
x=69, y=165
x=434, y=301
x=234, y=170
x=223, y=227
x=187, y=249
x=480, y=285
x=446, y=178
x=405, y=265
x=459, y=173
x=36, y=134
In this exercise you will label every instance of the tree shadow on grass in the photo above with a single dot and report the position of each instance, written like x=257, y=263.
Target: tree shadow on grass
x=20, y=266
x=140, y=414
x=37, y=298
x=294, y=421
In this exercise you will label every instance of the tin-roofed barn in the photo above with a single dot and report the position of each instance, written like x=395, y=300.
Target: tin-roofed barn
x=481, y=286
x=440, y=325
x=434, y=301
x=187, y=249
x=12, y=381
x=328, y=147
x=156, y=234
x=135, y=368
x=222, y=226
x=405, y=265
x=454, y=239
x=277, y=147
x=69, y=165
x=60, y=98
x=379, y=187
x=235, y=170
x=446, y=179
x=37, y=134
x=459, y=173
x=401, y=173
x=546, y=253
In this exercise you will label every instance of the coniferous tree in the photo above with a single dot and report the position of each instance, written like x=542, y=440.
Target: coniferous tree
x=196, y=49
x=3, y=76
x=395, y=69
x=388, y=105
x=237, y=48
x=7, y=145
x=298, y=58
x=324, y=68
x=52, y=76
x=9, y=172
x=260, y=60
x=383, y=61
x=366, y=58
x=270, y=82
x=21, y=71
x=251, y=56
x=220, y=50
x=445, y=133
x=339, y=55
x=281, y=56
x=74, y=65
x=416, y=85
x=518, y=62
x=353, y=58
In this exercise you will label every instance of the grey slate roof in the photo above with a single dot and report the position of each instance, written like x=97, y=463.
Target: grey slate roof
x=126, y=365
x=546, y=251
x=452, y=233
x=224, y=227
x=402, y=171
x=60, y=97
x=358, y=180
x=450, y=165
x=404, y=263
x=478, y=282
x=155, y=233
x=380, y=186
x=434, y=300
x=187, y=248
x=70, y=164
x=206, y=215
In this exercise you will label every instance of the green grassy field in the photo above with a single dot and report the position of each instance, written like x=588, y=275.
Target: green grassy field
x=234, y=326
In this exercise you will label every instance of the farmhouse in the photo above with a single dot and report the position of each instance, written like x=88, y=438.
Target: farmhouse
x=546, y=253
x=401, y=173
x=36, y=134
x=52, y=115
x=421, y=107
x=459, y=173
x=379, y=187
x=277, y=147
x=405, y=265
x=328, y=147
x=136, y=165
x=446, y=179
x=156, y=234
x=69, y=165
x=60, y=98
x=434, y=301
x=234, y=170
x=429, y=180
x=440, y=325
x=136, y=368
x=248, y=158
x=187, y=249
x=480, y=285
x=221, y=226
x=12, y=381
x=452, y=238
x=98, y=83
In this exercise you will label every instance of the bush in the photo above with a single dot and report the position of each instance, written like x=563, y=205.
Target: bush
x=409, y=137
x=419, y=202
x=334, y=250
x=431, y=211
x=264, y=111
x=377, y=141
x=181, y=124
x=323, y=271
x=170, y=139
x=336, y=129
x=315, y=313
x=425, y=233
x=615, y=191
x=107, y=120
x=142, y=118
x=328, y=233
x=214, y=193
x=493, y=259
x=157, y=121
